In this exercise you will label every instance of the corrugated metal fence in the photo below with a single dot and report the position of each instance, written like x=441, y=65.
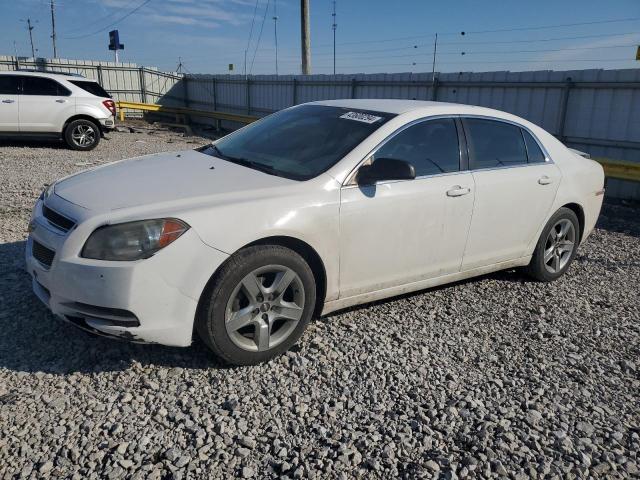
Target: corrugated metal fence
x=597, y=111
x=125, y=81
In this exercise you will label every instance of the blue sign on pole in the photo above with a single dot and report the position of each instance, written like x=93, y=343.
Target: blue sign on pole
x=114, y=41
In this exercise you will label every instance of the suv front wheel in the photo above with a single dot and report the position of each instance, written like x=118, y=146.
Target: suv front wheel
x=82, y=134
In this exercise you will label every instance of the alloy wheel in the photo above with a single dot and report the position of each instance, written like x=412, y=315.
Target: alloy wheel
x=83, y=135
x=559, y=245
x=265, y=308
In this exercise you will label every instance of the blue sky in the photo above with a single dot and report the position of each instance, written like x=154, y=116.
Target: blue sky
x=372, y=36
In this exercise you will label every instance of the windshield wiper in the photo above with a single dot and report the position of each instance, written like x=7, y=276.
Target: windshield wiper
x=247, y=163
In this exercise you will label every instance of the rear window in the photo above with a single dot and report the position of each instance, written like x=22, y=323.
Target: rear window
x=92, y=87
x=43, y=86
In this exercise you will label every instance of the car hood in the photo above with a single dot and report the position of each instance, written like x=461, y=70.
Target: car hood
x=161, y=178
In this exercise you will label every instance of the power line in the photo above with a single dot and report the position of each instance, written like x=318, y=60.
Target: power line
x=266, y=9
x=519, y=29
x=253, y=19
x=111, y=24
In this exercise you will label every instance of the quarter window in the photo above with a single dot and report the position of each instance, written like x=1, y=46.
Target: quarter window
x=430, y=146
x=8, y=85
x=42, y=86
x=533, y=149
x=494, y=144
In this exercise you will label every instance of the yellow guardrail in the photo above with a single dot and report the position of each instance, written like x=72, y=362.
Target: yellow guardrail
x=620, y=169
x=154, y=107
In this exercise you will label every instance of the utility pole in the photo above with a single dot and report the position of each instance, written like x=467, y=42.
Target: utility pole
x=433, y=68
x=179, y=69
x=33, y=50
x=305, y=37
x=334, y=26
x=275, y=31
x=53, y=30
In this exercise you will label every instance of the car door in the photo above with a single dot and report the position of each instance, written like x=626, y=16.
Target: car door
x=516, y=184
x=9, y=118
x=44, y=105
x=398, y=232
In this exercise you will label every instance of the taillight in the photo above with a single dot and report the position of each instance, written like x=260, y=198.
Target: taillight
x=111, y=105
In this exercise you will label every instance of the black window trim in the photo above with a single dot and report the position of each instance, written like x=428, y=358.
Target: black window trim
x=547, y=157
x=462, y=146
x=21, y=86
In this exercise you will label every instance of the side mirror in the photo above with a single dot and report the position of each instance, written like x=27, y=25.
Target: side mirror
x=385, y=169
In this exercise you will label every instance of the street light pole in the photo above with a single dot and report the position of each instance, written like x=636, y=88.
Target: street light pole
x=305, y=37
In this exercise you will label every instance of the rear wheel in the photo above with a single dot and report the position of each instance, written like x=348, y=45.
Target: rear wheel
x=82, y=135
x=556, y=247
x=258, y=305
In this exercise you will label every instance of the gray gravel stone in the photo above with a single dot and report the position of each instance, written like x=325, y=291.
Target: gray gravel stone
x=495, y=376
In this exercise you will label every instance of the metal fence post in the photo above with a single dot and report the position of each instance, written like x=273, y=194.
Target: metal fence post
x=248, y=83
x=185, y=91
x=564, y=102
x=143, y=88
x=99, y=72
x=214, y=90
x=354, y=84
x=295, y=91
x=434, y=89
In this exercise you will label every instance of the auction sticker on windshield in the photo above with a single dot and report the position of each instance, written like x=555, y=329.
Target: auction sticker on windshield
x=361, y=117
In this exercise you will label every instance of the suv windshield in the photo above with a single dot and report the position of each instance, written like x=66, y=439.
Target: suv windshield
x=91, y=87
x=301, y=142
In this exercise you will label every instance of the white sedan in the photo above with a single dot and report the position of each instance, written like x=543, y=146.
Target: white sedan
x=312, y=209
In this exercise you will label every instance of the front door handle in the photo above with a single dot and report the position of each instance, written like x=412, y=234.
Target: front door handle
x=457, y=191
x=61, y=100
x=8, y=100
x=544, y=180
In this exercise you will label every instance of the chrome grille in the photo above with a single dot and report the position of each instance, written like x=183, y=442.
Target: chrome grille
x=57, y=220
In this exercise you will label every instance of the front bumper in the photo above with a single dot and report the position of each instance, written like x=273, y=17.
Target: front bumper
x=152, y=300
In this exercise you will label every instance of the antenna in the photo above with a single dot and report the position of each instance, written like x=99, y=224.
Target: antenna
x=275, y=31
x=53, y=30
x=334, y=26
x=30, y=28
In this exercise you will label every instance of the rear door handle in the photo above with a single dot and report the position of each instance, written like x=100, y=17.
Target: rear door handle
x=61, y=100
x=8, y=100
x=457, y=191
x=544, y=180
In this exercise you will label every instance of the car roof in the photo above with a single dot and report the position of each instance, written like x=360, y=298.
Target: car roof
x=385, y=105
x=55, y=75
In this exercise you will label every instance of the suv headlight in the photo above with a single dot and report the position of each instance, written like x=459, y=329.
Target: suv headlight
x=133, y=240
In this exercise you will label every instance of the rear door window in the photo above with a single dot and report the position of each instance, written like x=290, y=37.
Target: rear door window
x=43, y=86
x=494, y=144
x=8, y=85
x=92, y=87
x=533, y=149
x=430, y=146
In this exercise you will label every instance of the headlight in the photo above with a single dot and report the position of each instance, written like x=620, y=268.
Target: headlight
x=133, y=240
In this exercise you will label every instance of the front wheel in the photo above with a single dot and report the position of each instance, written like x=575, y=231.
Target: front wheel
x=556, y=247
x=258, y=305
x=82, y=135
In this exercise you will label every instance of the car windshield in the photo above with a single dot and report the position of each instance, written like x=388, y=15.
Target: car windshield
x=301, y=142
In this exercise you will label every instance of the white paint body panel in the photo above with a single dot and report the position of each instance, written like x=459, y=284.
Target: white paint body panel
x=374, y=242
x=9, y=113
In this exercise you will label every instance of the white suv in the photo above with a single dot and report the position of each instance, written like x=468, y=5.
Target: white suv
x=55, y=104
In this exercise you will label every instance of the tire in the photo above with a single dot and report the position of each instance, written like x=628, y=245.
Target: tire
x=243, y=304
x=551, y=259
x=82, y=134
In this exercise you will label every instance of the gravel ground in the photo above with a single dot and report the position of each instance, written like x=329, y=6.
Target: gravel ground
x=497, y=376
